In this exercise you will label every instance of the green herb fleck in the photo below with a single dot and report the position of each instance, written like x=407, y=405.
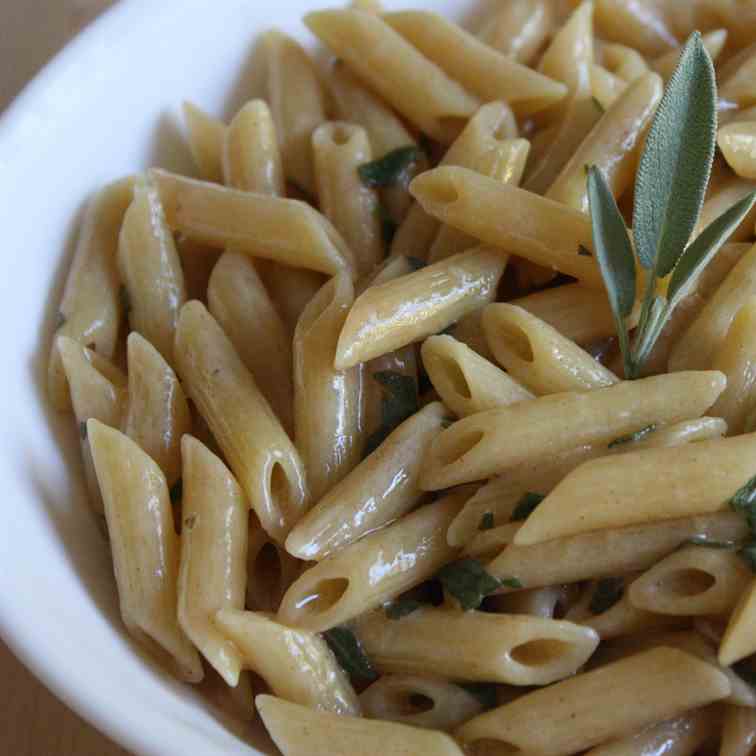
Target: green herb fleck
x=487, y=521
x=399, y=402
x=484, y=692
x=469, y=583
x=748, y=552
x=123, y=295
x=526, y=505
x=389, y=169
x=350, y=654
x=401, y=608
x=60, y=320
x=673, y=175
x=177, y=490
x=633, y=437
x=447, y=422
x=606, y=594
x=448, y=331
x=83, y=430
x=416, y=263
x=599, y=106
x=583, y=251
x=744, y=501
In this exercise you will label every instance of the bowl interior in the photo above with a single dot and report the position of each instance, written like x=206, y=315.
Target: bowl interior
x=106, y=106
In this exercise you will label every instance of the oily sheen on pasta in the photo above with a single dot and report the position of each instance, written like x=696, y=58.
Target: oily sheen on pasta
x=421, y=416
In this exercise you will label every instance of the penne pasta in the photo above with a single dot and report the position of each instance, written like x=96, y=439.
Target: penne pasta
x=299, y=731
x=254, y=443
x=595, y=706
x=481, y=70
x=681, y=736
x=738, y=639
x=97, y=389
x=737, y=142
x=252, y=223
x=466, y=382
x=145, y=548
x=713, y=41
x=407, y=309
x=605, y=86
x=395, y=70
x=519, y=29
x=693, y=581
x=612, y=552
x=205, y=136
x=623, y=61
x=738, y=731
x=374, y=570
x=339, y=149
x=736, y=79
x=90, y=310
x=506, y=216
x=537, y=355
x=296, y=664
x=158, y=414
x=382, y=488
x=418, y=701
x=327, y=402
x=612, y=145
x=289, y=69
x=290, y=289
x=503, y=648
x=212, y=572
x=664, y=484
x=150, y=269
x=637, y=24
x=479, y=445
x=251, y=154
x=736, y=358
x=238, y=300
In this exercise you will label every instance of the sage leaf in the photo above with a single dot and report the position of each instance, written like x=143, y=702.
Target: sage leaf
x=698, y=255
x=401, y=608
x=525, y=506
x=486, y=521
x=614, y=254
x=350, y=654
x=633, y=437
x=744, y=502
x=676, y=163
x=389, y=169
x=468, y=582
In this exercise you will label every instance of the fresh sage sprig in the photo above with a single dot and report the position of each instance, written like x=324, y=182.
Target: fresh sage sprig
x=673, y=175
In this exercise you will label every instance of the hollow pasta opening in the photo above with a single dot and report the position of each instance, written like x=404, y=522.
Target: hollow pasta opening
x=516, y=340
x=280, y=490
x=456, y=377
x=539, y=653
x=443, y=190
x=407, y=703
x=491, y=747
x=459, y=445
x=685, y=583
x=341, y=135
x=323, y=596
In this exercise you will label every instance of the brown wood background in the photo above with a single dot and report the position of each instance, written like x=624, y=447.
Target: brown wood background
x=32, y=721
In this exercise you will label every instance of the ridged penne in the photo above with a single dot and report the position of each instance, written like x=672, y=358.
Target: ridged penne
x=663, y=484
x=713, y=41
x=738, y=640
x=158, y=414
x=145, y=548
x=738, y=731
x=480, y=445
x=238, y=300
x=637, y=25
x=97, y=389
x=252, y=223
x=514, y=219
x=504, y=648
x=694, y=580
x=376, y=569
x=299, y=731
x=518, y=29
x=466, y=382
x=537, y=355
x=328, y=412
x=382, y=488
x=339, y=149
x=296, y=664
x=409, y=308
x=254, y=443
x=396, y=70
x=289, y=69
x=212, y=574
x=427, y=702
x=90, y=310
x=596, y=706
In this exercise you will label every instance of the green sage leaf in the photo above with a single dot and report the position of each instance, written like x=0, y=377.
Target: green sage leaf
x=468, y=582
x=350, y=654
x=389, y=169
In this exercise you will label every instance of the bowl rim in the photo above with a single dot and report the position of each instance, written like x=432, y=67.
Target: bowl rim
x=33, y=99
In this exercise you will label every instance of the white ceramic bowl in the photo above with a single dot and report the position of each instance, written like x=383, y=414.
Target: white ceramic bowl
x=105, y=107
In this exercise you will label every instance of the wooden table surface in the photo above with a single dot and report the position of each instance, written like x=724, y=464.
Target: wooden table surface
x=32, y=721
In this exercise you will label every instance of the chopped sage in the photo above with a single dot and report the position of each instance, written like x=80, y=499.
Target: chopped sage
x=389, y=169
x=399, y=402
x=401, y=608
x=633, y=437
x=487, y=521
x=526, y=505
x=469, y=583
x=350, y=654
